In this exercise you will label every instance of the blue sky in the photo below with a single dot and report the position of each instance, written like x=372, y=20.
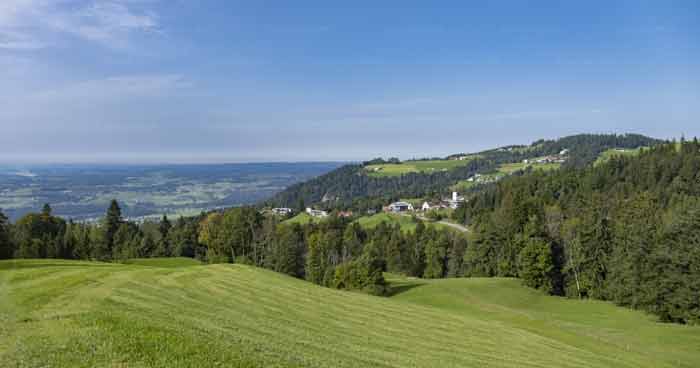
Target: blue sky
x=203, y=81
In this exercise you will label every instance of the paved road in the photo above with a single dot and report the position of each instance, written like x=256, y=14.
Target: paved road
x=458, y=227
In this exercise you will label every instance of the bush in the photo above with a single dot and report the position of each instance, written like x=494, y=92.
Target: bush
x=244, y=260
x=363, y=274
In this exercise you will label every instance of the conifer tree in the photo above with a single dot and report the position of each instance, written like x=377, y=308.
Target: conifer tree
x=111, y=223
x=6, y=246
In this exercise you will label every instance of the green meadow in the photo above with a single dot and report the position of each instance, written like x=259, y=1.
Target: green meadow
x=88, y=314
x=616, y=152
x=406, y=222
x=164, y=262
x=407, y=167
x=302, y=219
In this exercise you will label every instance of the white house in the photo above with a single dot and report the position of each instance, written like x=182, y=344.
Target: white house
x=282, y=211
x=316, y=213
x=400, y=207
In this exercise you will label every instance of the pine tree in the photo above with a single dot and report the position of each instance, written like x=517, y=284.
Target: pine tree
x=164, y=246
x=536, y=265
x=675, y=266
x=315, y=270
x=435, y=253
x=456, y=258
x=112, y=221
x=6, y=246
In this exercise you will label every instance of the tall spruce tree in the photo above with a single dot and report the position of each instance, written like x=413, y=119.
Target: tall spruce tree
x=6, y=246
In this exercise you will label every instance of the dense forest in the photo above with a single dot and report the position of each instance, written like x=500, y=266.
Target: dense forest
x=336, y=253
x=349, y=186
x=627, y=231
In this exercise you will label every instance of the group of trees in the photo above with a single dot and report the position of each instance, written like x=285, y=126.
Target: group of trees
x=336, y=253
x=43, y=235
x=627, y=231
x=339, y=253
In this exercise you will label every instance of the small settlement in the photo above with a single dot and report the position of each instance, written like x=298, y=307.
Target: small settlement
x=452, y=202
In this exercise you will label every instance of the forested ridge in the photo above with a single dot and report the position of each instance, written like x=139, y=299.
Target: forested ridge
x=350, y=187
x=627, y=231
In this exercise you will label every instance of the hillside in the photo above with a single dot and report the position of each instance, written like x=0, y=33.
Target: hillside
x=625, y=230
x=82, y=314
x=366, y=185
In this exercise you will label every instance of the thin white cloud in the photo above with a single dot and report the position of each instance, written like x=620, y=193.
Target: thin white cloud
x=18, y=41
x=114, y=100
x=30, y=24
x=120, y=87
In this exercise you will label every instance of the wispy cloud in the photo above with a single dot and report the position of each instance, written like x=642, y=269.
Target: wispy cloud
x=117, y=88
x=14, y=40
x=32, y=24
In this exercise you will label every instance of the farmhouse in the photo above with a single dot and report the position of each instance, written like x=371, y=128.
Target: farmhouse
x=400, y=207
x=432, y=206
x=316, y=213
x=282, y=211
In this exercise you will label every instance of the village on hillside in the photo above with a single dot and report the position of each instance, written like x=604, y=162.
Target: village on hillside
x=447, y=203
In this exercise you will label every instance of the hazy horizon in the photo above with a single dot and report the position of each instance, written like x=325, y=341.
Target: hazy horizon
x=222, y=160
x=125, y=81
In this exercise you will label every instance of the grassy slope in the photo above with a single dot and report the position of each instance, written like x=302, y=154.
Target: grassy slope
x=405, y=221
x=164, y=262
x=607, y=155
x=369, y=222
x=589, y=325
x=79, y=314
x=414, y=166
x=302, y=219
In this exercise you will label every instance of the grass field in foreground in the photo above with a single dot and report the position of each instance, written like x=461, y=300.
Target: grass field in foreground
x=82, y=314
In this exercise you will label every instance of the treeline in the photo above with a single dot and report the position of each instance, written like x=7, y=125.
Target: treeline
x=626, y=231
x=336, y=253
x=584, y=149
x=349, y=187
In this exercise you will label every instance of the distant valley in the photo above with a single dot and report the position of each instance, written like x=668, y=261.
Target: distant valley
x=82, y=192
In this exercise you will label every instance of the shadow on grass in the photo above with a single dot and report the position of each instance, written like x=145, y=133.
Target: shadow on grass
x=396, y=288
x=21, y=264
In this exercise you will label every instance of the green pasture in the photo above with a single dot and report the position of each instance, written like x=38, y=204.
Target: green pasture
x=88, y=314
x=407, y=167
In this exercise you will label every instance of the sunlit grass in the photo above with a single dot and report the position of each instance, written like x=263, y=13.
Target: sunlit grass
x=407, y=167
x=85, y=314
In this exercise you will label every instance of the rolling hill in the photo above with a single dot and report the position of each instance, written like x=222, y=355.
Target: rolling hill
x=387, y=180
x=85, y=314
